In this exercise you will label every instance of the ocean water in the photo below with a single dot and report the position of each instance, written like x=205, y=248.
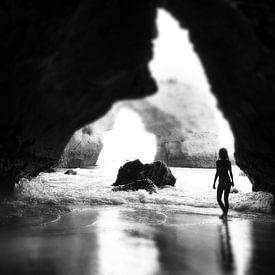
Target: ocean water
x=65, y=224
x=47, y=196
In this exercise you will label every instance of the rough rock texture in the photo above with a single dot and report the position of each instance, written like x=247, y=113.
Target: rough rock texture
x=63, y=63
x=82, y=150
x=157, y=172
x=145, y=184
x=129, y=172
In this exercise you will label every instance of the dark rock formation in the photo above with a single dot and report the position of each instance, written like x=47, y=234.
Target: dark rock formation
x=70, y=172
x=63, y=63
x=145, y=184
x=82, y=150
x=129, y=172
x=157, y=172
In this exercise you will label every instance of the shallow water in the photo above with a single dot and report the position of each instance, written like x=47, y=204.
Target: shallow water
x=118, y=240
x=193, y=192
x=64, y=224
x=50, y=195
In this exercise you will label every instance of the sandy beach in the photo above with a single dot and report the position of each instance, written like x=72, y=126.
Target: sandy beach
x=123, y=240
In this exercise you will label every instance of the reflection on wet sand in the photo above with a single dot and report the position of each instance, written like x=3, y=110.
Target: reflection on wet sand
x=117, y=240
x=125, y=248
x=263, y=246
x=54, y=248
x=227, y=257
x=241, y=242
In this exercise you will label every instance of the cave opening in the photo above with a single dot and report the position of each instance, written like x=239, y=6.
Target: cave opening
x=127, y=140
x=179, y=125
x=175, y=58
x=182, y=116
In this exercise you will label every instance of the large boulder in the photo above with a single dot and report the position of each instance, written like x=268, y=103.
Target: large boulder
x=145, y=184
x=129, y=172
x=157, y=172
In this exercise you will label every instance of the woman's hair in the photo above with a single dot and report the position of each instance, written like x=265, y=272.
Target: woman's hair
x=223, y=155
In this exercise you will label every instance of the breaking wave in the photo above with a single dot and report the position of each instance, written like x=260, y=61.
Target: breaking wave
x=93, y=187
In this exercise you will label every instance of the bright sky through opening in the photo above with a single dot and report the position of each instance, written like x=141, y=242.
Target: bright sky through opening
x=174, y=57
x=121, y=146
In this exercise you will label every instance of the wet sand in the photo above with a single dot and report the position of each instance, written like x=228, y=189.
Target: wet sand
x=121, y=240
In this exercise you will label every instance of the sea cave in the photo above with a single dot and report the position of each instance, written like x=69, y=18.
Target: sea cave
x=78, y=84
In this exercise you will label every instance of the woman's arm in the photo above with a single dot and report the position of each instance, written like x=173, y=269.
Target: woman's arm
x=216, y=175
x=231, y=175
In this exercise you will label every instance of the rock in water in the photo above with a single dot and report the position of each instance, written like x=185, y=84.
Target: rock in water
x=159, y=173
x=70, y=172
x=50, y=170
x=145, y=184
x=234, y=190
x=129, y=172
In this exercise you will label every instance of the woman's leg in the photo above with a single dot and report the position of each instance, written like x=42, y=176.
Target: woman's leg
x=220, y=190
x=226, y=195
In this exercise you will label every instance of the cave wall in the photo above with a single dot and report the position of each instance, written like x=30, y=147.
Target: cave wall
x=63, y=63
x=235, y=42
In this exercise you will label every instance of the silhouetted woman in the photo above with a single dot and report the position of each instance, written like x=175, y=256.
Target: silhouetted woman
x=224, y=172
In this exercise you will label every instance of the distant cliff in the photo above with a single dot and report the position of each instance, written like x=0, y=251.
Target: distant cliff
x=82, y=150
x=184, y=123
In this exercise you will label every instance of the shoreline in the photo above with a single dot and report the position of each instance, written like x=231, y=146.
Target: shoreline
x=119, y=240
x=36, y=214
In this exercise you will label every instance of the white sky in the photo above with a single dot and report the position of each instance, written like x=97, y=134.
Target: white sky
x=121, y=146
x=174, y=57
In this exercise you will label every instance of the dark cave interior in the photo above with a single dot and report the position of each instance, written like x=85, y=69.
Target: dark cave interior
x=64, y=63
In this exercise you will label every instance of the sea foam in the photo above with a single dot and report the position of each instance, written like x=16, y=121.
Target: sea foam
x=93, y=187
